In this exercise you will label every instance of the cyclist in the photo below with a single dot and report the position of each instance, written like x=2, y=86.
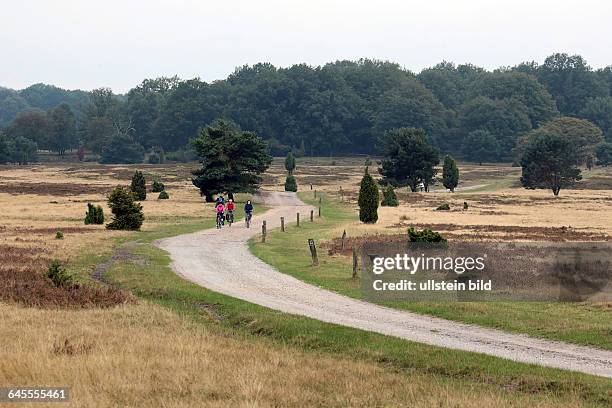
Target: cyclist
x=230, y=211
x=220, y=209
x=248, y=213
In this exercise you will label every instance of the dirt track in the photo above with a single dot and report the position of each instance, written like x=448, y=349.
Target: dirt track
x=220, y=260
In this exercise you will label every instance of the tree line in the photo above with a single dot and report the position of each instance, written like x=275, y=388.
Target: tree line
x=339, y=108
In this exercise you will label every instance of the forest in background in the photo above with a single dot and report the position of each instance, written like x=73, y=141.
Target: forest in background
x=336, y=109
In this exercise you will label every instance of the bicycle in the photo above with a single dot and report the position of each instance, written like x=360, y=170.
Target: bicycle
x=229, y=217
x=247, y=218
x=219, y=220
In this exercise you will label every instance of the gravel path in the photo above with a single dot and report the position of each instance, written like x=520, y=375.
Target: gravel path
x=220, y=261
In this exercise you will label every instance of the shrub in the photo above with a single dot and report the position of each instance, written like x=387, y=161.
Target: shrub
x=59, y=235
x=139, y=186
x=368, y=199
x=58, y=274
x=368, y=161
x=154, y=158
x=389, y=197
x=290, y=163
x=443, y=207
x=291, y=184
x=157, y=186
x=94, y=214
x=425, y=235
x=127, y=214
x=450, y=173
x=163, y=196
x=465, y=205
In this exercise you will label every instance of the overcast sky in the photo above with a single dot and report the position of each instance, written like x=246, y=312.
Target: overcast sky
x=117, y=43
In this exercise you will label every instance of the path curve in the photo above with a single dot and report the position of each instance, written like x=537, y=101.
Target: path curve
x=220, y=261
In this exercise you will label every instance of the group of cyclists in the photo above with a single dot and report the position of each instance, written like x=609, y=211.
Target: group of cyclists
x=225, y=212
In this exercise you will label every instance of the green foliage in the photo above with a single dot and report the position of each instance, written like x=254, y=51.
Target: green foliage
x=232, y=160
x=409, y=159
x=603, y=152
x=58, y=274
x=291, y=184
x=121, y=148
x=368, y=199
x=94, y=214
x=290, y=163
x=163, y=195
x=153, y=158
x=63, y=131
x=157, y=186
x=550, y=161
x=443, y=207
x=599, y=111
x=450, y=173
x=481, y=146
x=389, y=197
x=465, y=205
x=368, y=161
x=139, y=186
x=127, y=214
x=581, y=133
x=59, y=235
x=425, y=235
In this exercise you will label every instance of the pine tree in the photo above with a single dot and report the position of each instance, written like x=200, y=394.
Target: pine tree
x=450, y=173
x=127, y=214
x=389, y=197
x=368, y=199
x=290, y=163
x=139, y=186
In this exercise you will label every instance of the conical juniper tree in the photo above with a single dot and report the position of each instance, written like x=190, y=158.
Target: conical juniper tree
x=368, y=199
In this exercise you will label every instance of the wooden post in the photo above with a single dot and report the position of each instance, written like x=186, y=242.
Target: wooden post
x=354, y=262
x=263, y=231
x=311, y=215
x=313, y=251
x=282, y=224
x=311, y=186
x=298, y=219
x=341, y=194
x=320, y=199
x=319, y=211
x=343, y=238
x=315, y=194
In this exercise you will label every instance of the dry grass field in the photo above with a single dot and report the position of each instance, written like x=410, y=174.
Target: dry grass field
x=115, y=350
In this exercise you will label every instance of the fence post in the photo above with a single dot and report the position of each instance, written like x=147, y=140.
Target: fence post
x=313, y=252
x=263, y=231
x=282, y=224
x=343, y=238
x=319, y=211
x=298, y=219
x=311, y=215
x=354, y=262
x=311, y=186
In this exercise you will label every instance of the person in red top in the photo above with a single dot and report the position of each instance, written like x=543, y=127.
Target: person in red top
x=230, y=212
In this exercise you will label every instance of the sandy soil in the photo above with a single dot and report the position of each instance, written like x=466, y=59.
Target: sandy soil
x=220, y=260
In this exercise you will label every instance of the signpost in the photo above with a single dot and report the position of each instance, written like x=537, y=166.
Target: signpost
x=313, y=252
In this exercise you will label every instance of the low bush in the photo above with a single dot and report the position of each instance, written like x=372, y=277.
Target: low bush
x=443, y=207
x=59, y=235
x=163, y=196
x=157, y=186
x=94, y=214
x=465, y=205
x=389, y=197
x=291, y=184
x=58, y=274
x=425, y=235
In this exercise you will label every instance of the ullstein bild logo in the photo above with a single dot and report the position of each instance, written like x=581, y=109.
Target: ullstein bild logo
x=487, y=271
